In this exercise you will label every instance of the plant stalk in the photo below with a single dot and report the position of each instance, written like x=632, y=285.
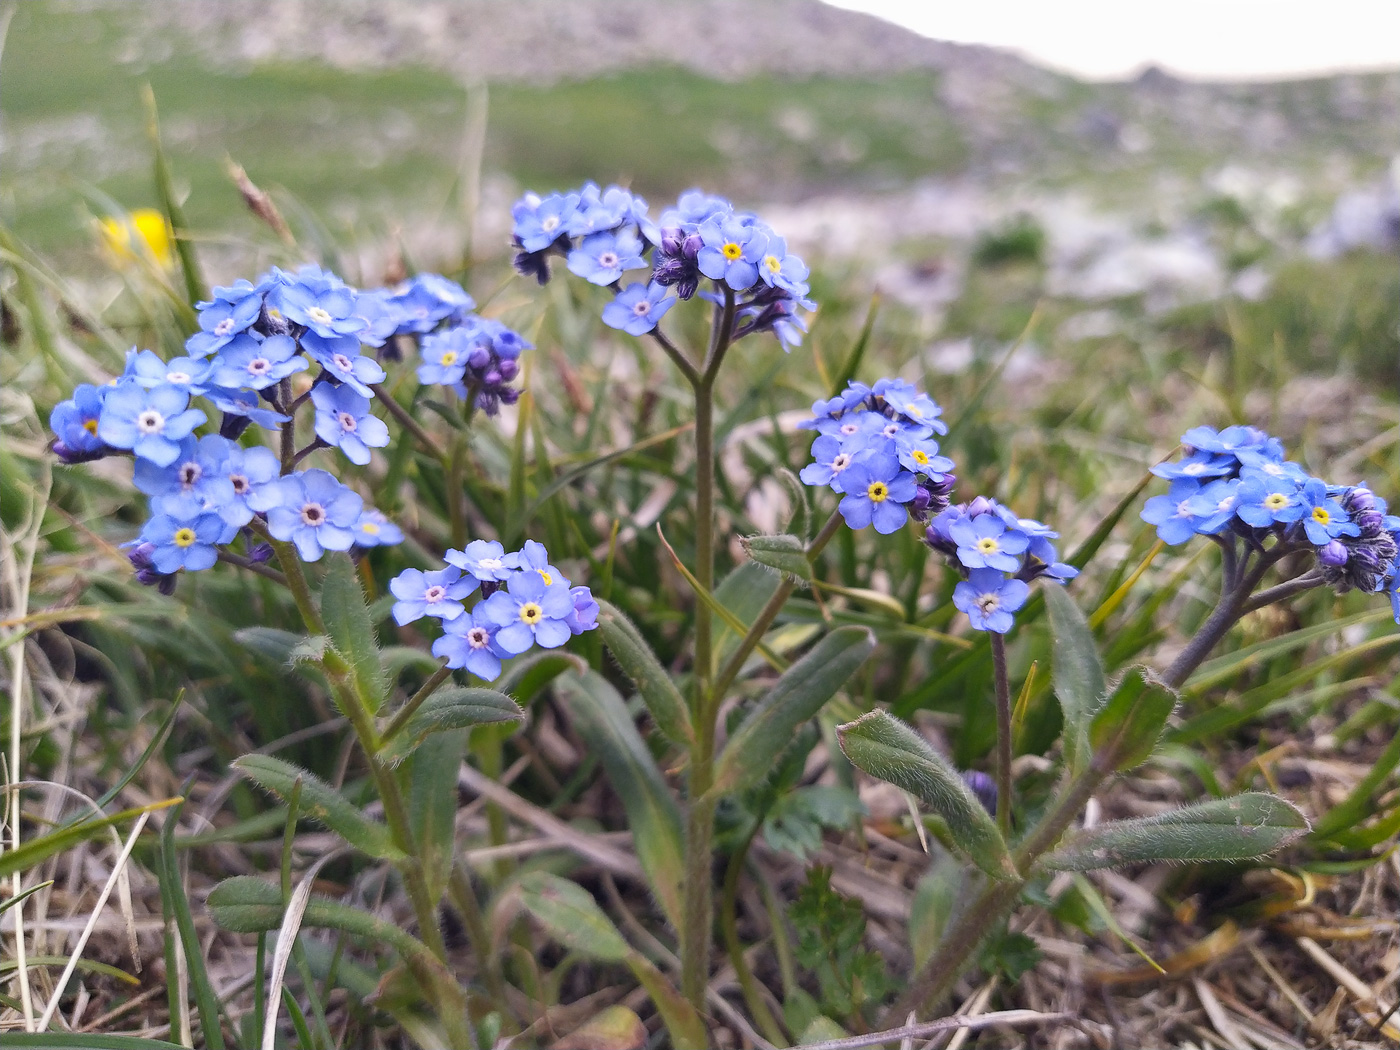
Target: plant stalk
x=1003, y=703
x=729, y=926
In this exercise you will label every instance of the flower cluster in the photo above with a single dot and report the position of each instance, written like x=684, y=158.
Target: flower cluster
x=523, y=601
x=1235, y=485
x=999, y=554
x=207, y=491
x=603, y=234
x=875, y=446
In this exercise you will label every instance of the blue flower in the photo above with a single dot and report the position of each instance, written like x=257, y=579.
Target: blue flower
x=528, y=611
x=75, y=422
x=1264, y=501
x=233, y=310
x=534, y=558
x=196, y=472
x=1232, y=439
x=373, y=529
x=246, y=363
x=585, y=614
x=606, y=210
x=853, y=396
x=1179, y=514
x=539, y=222
x=244, y=403
x=341, y=357
x=1275, y=467
x=184, y=535
x=1323, y=517
x=985, y=541
x=437, y=594
x=310, y=509
x=343, y=421
x=1223, y=494
x=1198, y=465
x=247, y=469
x=921, y=456
x=876, y=491
x=693, y=208
x=484, y=559
x=778, y=269
x=470, y=642
x=602, y=257
x=733, y=245
x=328, y=309
x=427, y=300
x=149, y=369
x=989, y=599
x=445, y=356
x=637, y=309
x=912, y=403
x=831, y=461
x=149, y=422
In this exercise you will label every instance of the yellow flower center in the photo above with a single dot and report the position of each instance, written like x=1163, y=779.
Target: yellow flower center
x=370, y=527
x=1321, y=516
x=531, y=613
x=773, y=263
x=184, y=537
x=732, y=251
x=548, y=579
x=878, y=492
x=987, y=545
x=1276, y=501
x=90, y=425
x=920, y=457
x=450, y=358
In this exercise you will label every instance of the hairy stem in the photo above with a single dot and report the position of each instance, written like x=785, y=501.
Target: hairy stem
x=415, y=701
x=407, y=421
x=252, y=566
x=728, y=922
x=1003, y=702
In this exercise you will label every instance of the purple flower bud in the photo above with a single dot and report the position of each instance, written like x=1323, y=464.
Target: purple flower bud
x=980, y=505
x=260, y=552
x=479, y=357
x=232, y=426
x=1334, y=553
x=1370, y=523
x=533, y=264
x=984, y=787
x=72, y=455
x=491, y=379
x=509, y=370
x=1359, y=498
x=672, y=240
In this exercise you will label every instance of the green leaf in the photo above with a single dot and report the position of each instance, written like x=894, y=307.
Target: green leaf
x=889, y=749
x=270, y=643
x=935, y=901
x=601, y=718
x=1077, y=673
x=452, y=707
x=640, y=664
x=432, y=805
x=786, y=554
x=795, y=697
x=246, y=904
x=321, y=803
x=83, y=1041
x=352, y=632
x=524, y=678
x=742, y=593
x=1125, y=732
x=1244, y=827
x=177, y=906
x=571, y=916
x=37, y=850
x=795, y=822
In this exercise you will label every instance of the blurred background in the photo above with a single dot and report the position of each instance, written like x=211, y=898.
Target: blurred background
x=414, y=124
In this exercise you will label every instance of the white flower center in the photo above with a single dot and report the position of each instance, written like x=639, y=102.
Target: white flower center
x=150, y=422
x=434, y=594
x=549, y=223
x=988, y=603
x=259, y=366
x=642, y=307
x=240, y=484
x=313, y=514
x=607, y=260
x=343, y=363
x=178, y=378
x=1194, y=468
x=319, y=316
x=840, y=463
x=348, y=422
x=224, y=327
x=489, y=564
x=478, y=638
x=190, y=474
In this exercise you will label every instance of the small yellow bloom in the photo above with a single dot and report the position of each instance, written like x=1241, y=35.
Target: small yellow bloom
x=143, y=233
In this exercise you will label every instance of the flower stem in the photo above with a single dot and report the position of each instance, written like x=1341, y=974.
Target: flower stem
x=404, y=713
x=1003, y=691
x=406, y=419
x=748, y=984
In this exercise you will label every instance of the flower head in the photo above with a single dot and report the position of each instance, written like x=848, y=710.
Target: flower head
x=343, y=421
x=310, y=509
x=438, y=594
x=989, y=599
x=151, y=422
x=638, y=308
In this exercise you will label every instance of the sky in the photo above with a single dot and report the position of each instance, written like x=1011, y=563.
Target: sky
x=1198, y=39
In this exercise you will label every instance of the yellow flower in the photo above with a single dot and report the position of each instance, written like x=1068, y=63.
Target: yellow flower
x=143, y=233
